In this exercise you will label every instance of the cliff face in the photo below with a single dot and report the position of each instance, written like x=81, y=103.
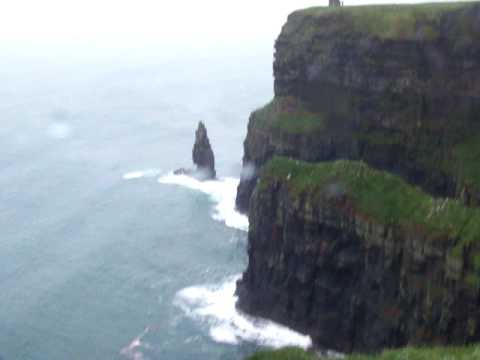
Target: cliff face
x=359, y=259
x=395, y=86
x=383, y=250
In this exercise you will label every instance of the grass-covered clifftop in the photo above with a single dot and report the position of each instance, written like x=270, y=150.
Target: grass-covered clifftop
x=421, y=21
x=436, y=353
x=341, y=245
x=383, y=198
x=290, y=116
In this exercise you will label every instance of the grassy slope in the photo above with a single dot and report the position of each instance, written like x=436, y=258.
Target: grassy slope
x=465, y=161
x=461, y=353
x=392, y=21
x=383, y=197
x=289, y=115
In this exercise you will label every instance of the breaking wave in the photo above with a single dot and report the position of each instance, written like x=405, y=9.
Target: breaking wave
x=141, y=174
x=222, y=191
x=216, y=305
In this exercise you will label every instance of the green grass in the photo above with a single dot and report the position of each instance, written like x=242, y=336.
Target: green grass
x=380, y=196
x=392, y=21
x=436, y=353
x=289, y=353
x=466, y=157
x=460, y=161
x=288, y=115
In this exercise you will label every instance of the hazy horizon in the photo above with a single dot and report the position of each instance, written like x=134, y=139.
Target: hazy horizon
x=62, y=28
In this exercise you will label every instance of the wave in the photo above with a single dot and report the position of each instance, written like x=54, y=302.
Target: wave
x=221, y=191
x=141, y=174
x=216, y=305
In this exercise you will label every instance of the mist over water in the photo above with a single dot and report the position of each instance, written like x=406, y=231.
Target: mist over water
x=105, y=254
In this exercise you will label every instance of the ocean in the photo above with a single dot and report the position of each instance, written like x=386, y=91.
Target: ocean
x=104, y=253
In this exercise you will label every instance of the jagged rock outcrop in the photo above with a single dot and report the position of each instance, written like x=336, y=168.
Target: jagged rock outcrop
x=202, y=156
x=202, y=153
x=394, y=86
x=359, y=259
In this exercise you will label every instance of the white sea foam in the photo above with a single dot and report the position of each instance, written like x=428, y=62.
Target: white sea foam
x=215, y=304
x=221, y=191
x=132, y=351
x=141, y=174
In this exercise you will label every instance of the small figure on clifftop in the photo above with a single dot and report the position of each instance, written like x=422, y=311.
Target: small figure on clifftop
x=202, y=153
x=335, y=3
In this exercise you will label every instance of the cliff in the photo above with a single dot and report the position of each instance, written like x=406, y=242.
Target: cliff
x=359, y=259
x=381, y=248
x=395, y=86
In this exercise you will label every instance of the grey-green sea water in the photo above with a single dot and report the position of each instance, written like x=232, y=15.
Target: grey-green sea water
x=103, y=254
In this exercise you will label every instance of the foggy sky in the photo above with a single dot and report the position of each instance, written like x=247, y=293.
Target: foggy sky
x=135, y=24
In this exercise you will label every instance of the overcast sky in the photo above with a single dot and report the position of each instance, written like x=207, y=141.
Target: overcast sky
x=136, y=24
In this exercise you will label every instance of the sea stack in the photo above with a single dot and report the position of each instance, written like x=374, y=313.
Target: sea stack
x=202, y=153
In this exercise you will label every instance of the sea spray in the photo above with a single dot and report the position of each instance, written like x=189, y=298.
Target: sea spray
x=216, y=306
x=141, y=174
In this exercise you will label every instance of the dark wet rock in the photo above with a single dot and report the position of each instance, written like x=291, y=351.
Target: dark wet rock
x=184, y=171
x=202, y=153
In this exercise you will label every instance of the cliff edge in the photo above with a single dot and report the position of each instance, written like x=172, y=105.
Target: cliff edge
x=363, y=207
x=395, y=86
x=359, y=259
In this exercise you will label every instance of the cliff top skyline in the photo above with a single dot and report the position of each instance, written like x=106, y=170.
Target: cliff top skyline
x=98, y=27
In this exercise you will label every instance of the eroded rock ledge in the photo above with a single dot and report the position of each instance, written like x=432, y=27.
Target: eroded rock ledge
x=359, y=259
